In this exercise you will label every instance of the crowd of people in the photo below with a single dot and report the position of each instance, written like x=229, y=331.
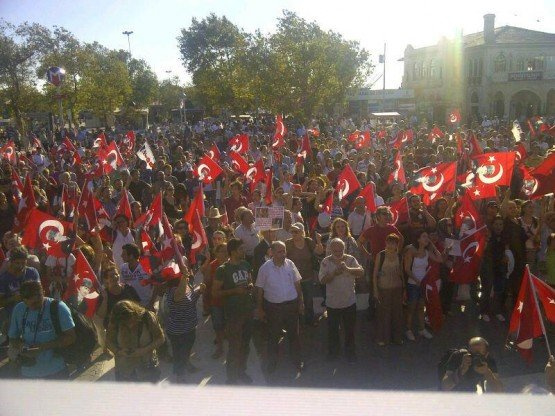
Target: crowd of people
x=131, y=229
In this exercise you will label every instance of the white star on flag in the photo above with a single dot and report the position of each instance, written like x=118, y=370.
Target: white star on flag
x=491, y=158
x=476, y=192
x=551, y=300
x=434, y=170
x=76, y=277
x=520, y=306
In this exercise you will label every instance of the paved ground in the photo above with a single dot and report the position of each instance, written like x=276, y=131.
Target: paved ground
x=412, y=366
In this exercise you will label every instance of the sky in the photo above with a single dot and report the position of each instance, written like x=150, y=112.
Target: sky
x=157, y=24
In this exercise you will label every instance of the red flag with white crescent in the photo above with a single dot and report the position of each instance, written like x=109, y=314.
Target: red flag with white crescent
x=369, y=197
x=467, y=267
x=197, y=204
x=455, y=116
x=25, y=204
x=525, y=322
x=152, y=216
x=435, y=133
x=434, y=181
x=546, y=296
x=398, y=174
x=124, y=207
x=468, y=215
x=399, y=211
x=214, y=153
x=82, y=289
x=109, y=159
x=347, y=182
x=430, y=287
x=279, y=134
x=240, y=143
x=494, y=168
x=269, y=186
x=207, y=170
x=43, y=231
x=199, y=239
x=8, y=152
x=238, y=163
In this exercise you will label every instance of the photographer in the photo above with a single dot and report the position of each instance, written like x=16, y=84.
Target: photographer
x=466, y=369
x=33, y=337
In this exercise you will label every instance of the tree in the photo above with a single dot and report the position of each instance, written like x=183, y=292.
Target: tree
x=312, y=68
x=170, y=94
x=21, y=47
x=211, y=49
x=144, y=83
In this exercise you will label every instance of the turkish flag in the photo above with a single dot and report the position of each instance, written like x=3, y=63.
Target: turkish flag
x=110, y=159
x=546, y=296
x=531, y=128
x=536, y=185
x=398, y=174
x=546, y=167
x=368, y=194
x=123, y=207
x=494, y=168
x=475, y=148
x=430, y=286
x=347, y=182
x=8, y=152
x=153, y=215
x=460, y=145
x=467, y=266
x=268, y=183
x=128, y=142
x=207, y=170
x=214, y=153
x=305, y=149
x=256, y=174
x=239, y=163
x=363, y=140
x=434, y=181
x=314, y=131
x=25, y=204
x=197, y=204
x=82, y=289
x=520, y=153
x=399, y=211
x=17, y=187
x=68, y=147
x=381, y=134
x=455, y=116
x=69, y=202
x=525, y=320
x=43, y=231
x=239, y=143
x=199, y=240
x=328, y=203
x=481, y=191
x=279, y=134
x=435, y=133
x=168, y=249
x=468, y=215
x=100, y=141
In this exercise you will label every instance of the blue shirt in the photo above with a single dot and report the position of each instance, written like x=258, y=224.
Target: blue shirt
x=47, y=362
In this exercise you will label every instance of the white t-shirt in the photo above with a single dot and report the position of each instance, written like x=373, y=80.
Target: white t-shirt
x=249, y=237
x=119, y=242
x=359, y=222
x=134, y=278
x=278, y=282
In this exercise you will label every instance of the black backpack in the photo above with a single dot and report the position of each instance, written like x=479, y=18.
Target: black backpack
x=79, y=353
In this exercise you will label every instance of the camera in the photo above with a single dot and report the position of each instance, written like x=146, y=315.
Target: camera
x=478, y=360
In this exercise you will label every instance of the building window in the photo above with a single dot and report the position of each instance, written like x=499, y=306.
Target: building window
x=480, y=65
x=433, y=69
x=424, y=70
x=521, y=64
x=500, y=63
x=415, y=69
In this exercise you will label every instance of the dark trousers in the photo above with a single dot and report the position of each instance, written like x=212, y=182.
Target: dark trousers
x=346, y=318
x=307, y=287
x=181, y=346
x=279, y=316
x=447, y=289
x=389, y=315
x=239, y=331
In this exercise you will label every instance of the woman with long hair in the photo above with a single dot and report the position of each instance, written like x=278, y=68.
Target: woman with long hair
x=340, y=229
x=133, y=336
x=416, y=261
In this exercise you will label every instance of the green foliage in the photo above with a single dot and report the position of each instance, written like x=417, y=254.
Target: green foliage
x=300, y=70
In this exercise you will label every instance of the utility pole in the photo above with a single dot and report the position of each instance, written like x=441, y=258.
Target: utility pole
x=383, y=79
x=128, y=33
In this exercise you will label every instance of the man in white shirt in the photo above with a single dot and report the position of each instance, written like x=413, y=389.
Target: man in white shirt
x=123, y=236
x=247, y=233
x=359, y=220
x=338, y=272
x=280, y=302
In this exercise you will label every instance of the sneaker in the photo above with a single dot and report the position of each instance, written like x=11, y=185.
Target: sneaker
x=410, y=335
x=245, y=378
x=426, y=334
x=500, y=317
x=485, y=317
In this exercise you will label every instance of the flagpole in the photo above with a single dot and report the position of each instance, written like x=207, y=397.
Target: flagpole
x=533, y=287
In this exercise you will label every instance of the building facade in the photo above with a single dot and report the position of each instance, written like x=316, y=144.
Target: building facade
x=508, y=72
x=364, y=100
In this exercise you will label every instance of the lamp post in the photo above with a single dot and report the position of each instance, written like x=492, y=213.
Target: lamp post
x=128, y=33
x=184, y=109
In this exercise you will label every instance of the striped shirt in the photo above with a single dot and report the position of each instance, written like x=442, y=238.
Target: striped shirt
x=182, y=316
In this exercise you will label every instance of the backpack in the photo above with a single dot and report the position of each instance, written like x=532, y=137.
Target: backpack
x=79, y=353
x=442, y=365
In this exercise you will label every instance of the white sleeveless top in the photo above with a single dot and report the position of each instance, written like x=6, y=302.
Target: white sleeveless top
x=419, y=268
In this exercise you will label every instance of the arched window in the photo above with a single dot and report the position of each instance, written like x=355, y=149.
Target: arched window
x=500, y=63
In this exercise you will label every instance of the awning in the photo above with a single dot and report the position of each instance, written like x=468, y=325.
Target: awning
x=387, y=114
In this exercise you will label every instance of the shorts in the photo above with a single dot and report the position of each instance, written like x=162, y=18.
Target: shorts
x=217, y=316
x=414, y=293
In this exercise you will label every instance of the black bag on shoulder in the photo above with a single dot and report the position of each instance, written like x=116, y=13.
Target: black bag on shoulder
x=79, y=353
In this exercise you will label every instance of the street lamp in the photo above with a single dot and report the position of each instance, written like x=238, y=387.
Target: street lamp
x=184, y=109
x=169, y=71
x=128, y=33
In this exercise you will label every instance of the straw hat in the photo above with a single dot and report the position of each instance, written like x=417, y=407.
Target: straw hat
x=214, y=213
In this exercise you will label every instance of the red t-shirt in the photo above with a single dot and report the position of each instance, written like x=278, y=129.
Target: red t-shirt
x=209, y=281
x=231, y=204
x=375, y=236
